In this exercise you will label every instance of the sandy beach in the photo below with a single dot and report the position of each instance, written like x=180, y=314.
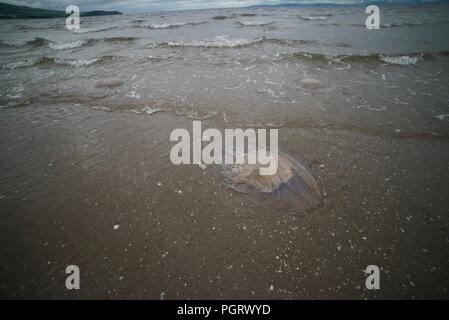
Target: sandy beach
x=183, y=235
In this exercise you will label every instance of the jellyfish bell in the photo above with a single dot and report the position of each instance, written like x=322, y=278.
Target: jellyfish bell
x=292, y=187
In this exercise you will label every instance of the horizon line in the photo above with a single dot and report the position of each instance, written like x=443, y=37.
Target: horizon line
x=324, y=3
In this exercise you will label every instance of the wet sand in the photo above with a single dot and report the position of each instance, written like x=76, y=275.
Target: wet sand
x=69, y=174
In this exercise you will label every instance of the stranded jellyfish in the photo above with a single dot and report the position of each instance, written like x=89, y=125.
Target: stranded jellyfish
x=292, y=188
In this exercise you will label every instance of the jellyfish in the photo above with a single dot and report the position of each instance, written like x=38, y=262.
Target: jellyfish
x=292, y=188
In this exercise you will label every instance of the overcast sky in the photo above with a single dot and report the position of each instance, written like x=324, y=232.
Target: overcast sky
x=158, y=5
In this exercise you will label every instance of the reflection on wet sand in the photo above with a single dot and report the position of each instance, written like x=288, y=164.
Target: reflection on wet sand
x=97, y=189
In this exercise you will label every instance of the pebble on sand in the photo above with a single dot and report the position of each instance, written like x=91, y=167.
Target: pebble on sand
x=108, y=83
x=311, y=84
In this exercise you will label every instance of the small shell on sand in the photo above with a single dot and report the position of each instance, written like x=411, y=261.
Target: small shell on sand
x=108, y=83
x=311, y=84
x=292, y=187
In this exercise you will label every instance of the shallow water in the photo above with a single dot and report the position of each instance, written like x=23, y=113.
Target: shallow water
x=245, y=69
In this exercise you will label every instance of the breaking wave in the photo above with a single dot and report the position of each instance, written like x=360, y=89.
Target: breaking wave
x=60, y=46
x=405, y=60
x=218, y=42
x=46, y=61
x=170, y=25
x=225, y=42
x=402, y=60
x=69, y=45
x=305, y=56
x=254, y=23
x=290, y=42
x=80, y=43
x=322, y=17
x=22, y=63
x=78, y=63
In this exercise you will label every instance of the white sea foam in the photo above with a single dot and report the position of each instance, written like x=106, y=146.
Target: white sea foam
x=320, y=18
x=133, y=95
x=77, y=63
x=218, y=42
x=166, y=25
x=171, y=25
x=254, y=23
x=146, y=110
x=35, y=60
x=67, y=45
x=402, y=60
x=22, y=63
x=149, y=110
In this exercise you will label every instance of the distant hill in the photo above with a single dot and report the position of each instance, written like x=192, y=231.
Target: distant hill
x=9, y=11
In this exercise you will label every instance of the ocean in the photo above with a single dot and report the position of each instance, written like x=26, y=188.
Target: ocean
x=244, y=65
